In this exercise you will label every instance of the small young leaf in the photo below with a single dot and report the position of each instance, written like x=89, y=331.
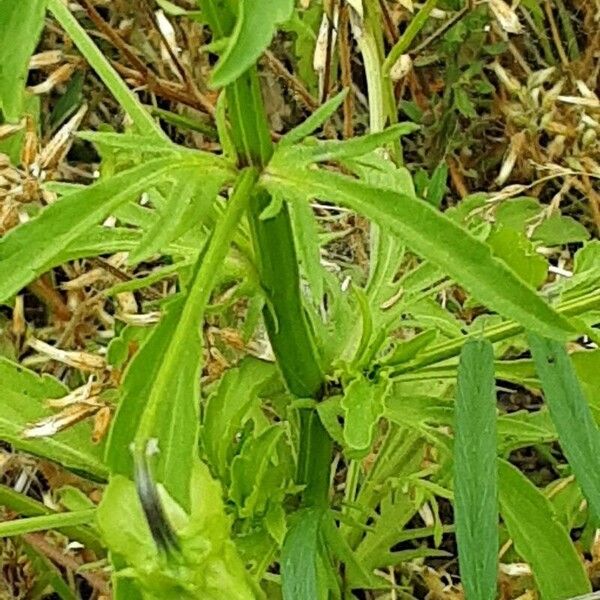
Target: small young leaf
x=363, y=404
x=475, y=471
x=254, y=28
x=539, y=537
x=577, y=432
x=316, y=119
x=437, y=185
x=558, y=230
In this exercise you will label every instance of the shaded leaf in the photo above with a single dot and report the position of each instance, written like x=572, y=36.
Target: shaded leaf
x=22, y=402
x=539, y=537
x=577, y=432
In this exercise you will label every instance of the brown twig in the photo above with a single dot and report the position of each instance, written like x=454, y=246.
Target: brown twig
x=297, y=86
x=391, y=33
x=43, y=289
x=346, y=68
x=190, y=96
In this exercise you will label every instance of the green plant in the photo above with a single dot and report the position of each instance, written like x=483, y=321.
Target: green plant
x=205, y=489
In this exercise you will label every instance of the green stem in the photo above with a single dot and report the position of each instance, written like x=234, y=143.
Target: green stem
x=141, y=118
x=452, y=348
x=41, y=523
x=402, y=45
x=277, y=260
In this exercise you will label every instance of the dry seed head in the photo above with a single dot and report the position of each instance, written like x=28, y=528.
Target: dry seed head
x=60, y=75
x=59, y=145
x=68, y=417
x=45, y=59
x=80, y=360
x=506, y=16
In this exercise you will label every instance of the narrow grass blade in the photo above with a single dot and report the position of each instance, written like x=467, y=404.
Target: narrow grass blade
x=475, y=471
x=41, y=523
x=577, y=432
x=141, y=118
x=539, y=537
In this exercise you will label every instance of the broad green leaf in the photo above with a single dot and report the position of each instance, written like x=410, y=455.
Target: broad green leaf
x=577, y=432
x=22, y=400
x=301, y=574
x=227, y=410
x=25, y=251
x=161, y=388
x=436, y=238
x=314, y=121
x=515, y=213
x=558, y=230
x=539, y=537
x=475, y=471
x=363, y=406
x=518, y=253
x=205, y=567
x=255, y=25
x=20, y=27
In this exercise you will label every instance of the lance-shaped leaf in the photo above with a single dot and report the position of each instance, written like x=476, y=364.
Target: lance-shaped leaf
x=435, y=237
x=20, y=27
x=539, y=537
x=577, y=432
x=161, y=388
x=254, y=28
x=475, y=471
x=27, y=250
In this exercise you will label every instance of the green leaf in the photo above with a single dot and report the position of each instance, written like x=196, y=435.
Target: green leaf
x=20, y=27
x=363, y=405
x=437, y=185
x=206, y=566
x=255, y=25
x=406, y=350
x=322, y=151
x=254, y=472
x=539, y=537
x=44, y=522
x=577, y=432
x=475, y=471
x=518, y=253
x=314, y=121
x=188, y=203
x=162, y=383
x=227, y=410
x=558, y=230
x=436, y=238
x=301, y=575
x=25, y=251
x=23, y=397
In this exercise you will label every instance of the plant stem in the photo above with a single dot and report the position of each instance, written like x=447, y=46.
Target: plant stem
x=277, y=260
x=452, y=348
x=43, y=522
